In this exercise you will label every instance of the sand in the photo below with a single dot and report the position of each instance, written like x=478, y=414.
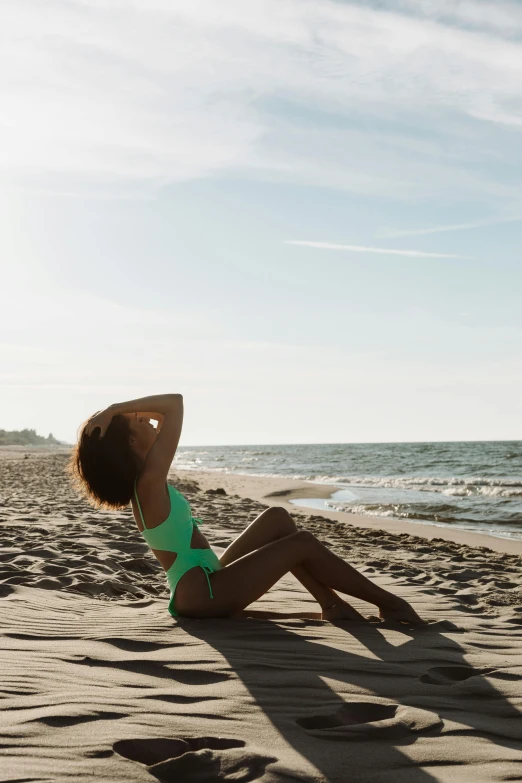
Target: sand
x=99, y=682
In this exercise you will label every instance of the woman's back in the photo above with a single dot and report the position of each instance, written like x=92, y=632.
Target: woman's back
x=166, y=523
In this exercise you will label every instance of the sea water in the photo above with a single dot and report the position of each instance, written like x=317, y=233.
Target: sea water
x=471, y=485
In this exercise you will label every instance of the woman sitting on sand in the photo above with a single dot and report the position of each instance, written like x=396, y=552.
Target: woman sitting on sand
x=120, y=458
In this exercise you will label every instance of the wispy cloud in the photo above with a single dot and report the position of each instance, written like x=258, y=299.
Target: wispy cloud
x=501, y=16
x=417, y=232
x=406, y=95
x=365, y=249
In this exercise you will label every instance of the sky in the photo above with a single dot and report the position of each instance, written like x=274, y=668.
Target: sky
x=305, y=216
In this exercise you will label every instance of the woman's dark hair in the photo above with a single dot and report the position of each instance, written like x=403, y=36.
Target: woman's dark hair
x=103, y=469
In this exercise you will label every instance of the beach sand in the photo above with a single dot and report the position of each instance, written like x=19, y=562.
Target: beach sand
x=99, y=682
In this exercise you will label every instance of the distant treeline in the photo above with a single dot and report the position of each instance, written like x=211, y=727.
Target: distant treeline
x=26, y=438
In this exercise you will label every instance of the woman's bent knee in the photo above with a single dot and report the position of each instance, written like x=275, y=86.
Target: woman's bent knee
x=279, y=521
x=280, y=513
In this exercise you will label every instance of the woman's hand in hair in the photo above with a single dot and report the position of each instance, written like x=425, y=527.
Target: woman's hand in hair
x=101, y=419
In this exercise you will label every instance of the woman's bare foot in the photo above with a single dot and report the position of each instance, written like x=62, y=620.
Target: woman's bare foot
x=402, y=611
x=341, y=610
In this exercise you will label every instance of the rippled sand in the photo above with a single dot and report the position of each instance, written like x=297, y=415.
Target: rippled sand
x=99, y=682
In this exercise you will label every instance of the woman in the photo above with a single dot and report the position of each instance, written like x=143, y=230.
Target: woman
x=120, y=458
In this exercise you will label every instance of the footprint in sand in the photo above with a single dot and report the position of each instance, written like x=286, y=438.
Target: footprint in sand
x=360, y=720
x=449, y=675
x=196, y=758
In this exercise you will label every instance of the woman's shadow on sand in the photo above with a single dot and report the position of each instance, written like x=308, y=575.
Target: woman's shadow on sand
x=394, y=694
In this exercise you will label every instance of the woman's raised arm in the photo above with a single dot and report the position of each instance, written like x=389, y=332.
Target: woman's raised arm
x=157, y=403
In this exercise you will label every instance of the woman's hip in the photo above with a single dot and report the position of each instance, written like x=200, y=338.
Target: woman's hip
x=188, y=577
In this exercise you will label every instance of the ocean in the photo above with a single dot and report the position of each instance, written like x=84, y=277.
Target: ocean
x=470, y=485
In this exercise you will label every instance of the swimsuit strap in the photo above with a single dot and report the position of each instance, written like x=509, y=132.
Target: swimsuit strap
x=208, y=570
x=138, y=502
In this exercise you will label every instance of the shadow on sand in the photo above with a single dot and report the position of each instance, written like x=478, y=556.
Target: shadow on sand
x=397, y=692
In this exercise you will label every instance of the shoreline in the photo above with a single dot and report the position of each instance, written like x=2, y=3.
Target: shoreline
x=279, y=491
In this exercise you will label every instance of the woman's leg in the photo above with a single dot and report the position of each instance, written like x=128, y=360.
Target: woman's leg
x=275, y=523
x=237, y=585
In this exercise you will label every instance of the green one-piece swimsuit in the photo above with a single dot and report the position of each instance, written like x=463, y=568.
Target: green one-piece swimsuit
x=174, y=534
